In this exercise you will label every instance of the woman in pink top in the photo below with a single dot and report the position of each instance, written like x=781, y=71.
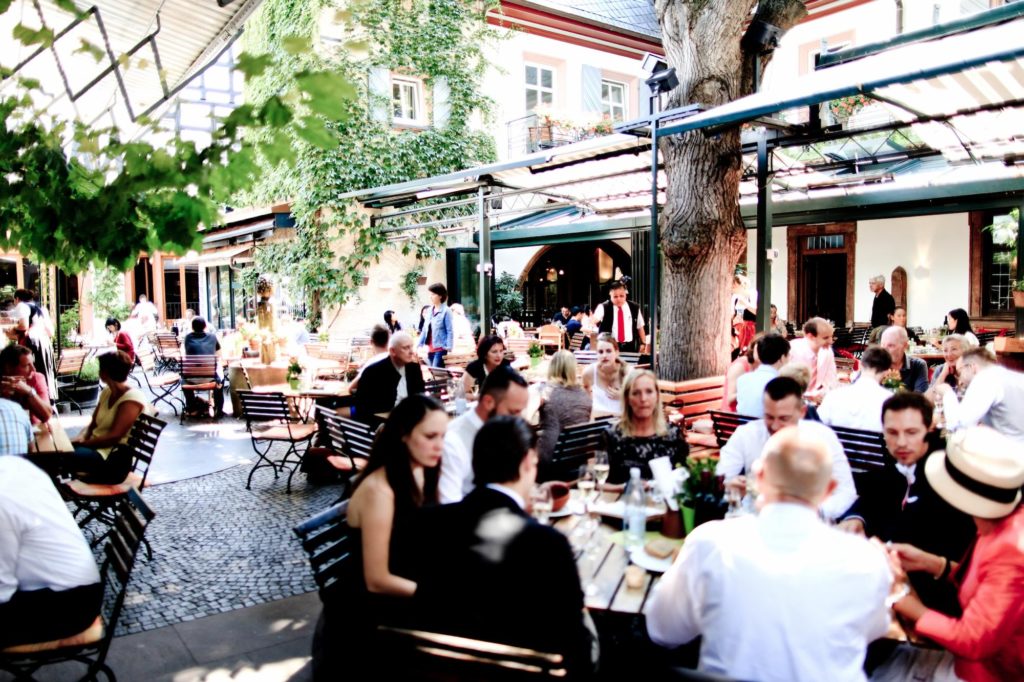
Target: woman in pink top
x=981, y=474
x=23, y=384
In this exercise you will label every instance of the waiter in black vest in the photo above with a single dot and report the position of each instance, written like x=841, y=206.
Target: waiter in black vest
x=622, y=319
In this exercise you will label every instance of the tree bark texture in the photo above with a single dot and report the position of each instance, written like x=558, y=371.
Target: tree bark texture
x=702, y=234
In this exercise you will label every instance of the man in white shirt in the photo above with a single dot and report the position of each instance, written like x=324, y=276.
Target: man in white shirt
x=15, y=429
x=814, y=349
x=772, y=351
x=49, y=585
x=504, y=392
x=784, y=406
x=994, y=396
x=780, y=595
x=621, y=318
x=859, y=405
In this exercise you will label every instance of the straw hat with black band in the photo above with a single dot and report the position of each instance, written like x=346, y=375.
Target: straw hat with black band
x=980, y=473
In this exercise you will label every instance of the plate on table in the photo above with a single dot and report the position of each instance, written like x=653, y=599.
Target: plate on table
x=562, y=513
x=641, y=558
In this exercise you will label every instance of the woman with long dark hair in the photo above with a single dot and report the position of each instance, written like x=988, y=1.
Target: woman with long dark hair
x=391, y=320
x=490, y=355
x=400, y=477
x=959, y=323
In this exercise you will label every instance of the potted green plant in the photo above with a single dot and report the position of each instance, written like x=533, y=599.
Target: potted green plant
x=294, y=373
x=412, y=281
x=86, y=389
x=699, y=482
x=1018, y=293
x=536, y=353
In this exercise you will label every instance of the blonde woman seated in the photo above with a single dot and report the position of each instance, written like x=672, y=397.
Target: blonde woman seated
x=566, y=402
x=642, y=434
x=604, y=378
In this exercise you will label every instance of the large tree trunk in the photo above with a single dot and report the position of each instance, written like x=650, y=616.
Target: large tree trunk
x=702, y=235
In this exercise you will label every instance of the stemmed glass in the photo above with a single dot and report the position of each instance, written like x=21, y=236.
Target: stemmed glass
x=586, y=482
x=540, y=503
x=601, y=469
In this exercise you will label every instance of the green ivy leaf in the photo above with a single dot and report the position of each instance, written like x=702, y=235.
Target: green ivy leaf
x=85, y=47
x=275, y=113
x=315, y=132
x=296, y=45
x=29, y=36
x=253, y=65
x=327, y=93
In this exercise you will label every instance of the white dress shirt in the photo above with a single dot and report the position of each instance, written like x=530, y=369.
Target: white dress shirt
x=995, y=397
x=40, y=543
x=627, y=319
x=777, y=596
x=457, y=463
x=857, y=406
x=402, y=389
x=748, y=441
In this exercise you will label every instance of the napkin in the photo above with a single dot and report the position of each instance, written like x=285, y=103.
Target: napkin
x=665, y=479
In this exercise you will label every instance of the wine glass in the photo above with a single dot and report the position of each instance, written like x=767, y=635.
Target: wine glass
x=601, y=469
x=540, y=503
x=586, y=482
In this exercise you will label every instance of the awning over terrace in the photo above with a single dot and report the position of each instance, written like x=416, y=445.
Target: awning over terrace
x=113, y=62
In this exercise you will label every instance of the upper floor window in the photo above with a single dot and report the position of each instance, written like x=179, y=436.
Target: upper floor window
x=613, y=100
x=540, y=86
x=407, y=101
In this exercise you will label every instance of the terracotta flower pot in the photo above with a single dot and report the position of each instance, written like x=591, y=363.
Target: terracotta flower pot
x=1018, y=299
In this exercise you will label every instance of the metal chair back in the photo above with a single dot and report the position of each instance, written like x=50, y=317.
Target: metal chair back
x=574, y=447
x=328, y=543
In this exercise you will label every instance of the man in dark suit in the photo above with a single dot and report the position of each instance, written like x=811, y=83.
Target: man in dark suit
x=898, y=505
x=492, y=572
x=386, y=382
x=884, y=305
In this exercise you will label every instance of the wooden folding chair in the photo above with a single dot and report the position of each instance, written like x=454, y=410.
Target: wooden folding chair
x=269, y=420
x=90, y=647
x=161, y=386
x=198, y=373
x=575, y=445
x=69, y=369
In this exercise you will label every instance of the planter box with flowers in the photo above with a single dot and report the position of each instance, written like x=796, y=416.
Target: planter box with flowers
x=554, y=131
x=845, y=107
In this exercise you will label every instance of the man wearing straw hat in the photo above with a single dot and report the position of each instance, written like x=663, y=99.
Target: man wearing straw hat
x=980, y=473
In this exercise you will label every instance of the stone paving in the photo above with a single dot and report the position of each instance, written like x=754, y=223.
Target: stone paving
x=219, y=547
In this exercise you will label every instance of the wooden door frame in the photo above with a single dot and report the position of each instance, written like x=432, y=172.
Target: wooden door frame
x=796, y=237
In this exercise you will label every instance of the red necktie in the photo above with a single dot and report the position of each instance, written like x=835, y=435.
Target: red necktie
x=622, y=326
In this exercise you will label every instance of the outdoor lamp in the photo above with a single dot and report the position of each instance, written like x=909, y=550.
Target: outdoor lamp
x=663, y=81
x=762, y=35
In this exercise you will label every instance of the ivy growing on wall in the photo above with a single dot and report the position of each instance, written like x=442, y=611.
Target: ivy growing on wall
x=335, y=245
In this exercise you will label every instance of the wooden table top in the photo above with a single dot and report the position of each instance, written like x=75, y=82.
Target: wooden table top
x=325, y=389
x=602, y=570
x=50, y=436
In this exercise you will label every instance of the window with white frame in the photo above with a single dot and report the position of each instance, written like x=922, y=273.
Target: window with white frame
x=540, y=86
x=407, y=101
x=613, y=100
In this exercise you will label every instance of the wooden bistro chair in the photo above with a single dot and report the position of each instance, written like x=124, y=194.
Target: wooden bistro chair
x=162, y=386
x=575, y=445
x=726, y=423
x=91, y=646
x=348, y=441
x=865, y=451
x=328, y=542
x=422, y=655
x=202, y=371
x=69, y=367
x=576, y=342
x=271, y=412
x=97, y=502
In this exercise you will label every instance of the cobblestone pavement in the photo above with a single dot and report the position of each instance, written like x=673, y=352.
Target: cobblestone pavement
x=219, y=547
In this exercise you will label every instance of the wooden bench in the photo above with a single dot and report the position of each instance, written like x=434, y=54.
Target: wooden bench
x=589, y=357
x=574, y=447
x=726, y=423
x=865, y=451
x=689, y=401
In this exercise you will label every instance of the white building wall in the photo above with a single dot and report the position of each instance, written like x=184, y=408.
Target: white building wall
x=780, y=293
x=934, y=250
x=505, y=80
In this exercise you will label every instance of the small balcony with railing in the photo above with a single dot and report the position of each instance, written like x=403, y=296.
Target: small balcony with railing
x=537, y=131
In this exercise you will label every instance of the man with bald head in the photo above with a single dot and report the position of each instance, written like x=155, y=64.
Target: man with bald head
x=386, y=382
x=913, y=371
x=814, y=349
x=779, y=595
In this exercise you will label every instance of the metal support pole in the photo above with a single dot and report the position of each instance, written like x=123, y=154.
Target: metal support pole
x=764, y=232
x=653, y=255
x=1019, y=313
x=485, y=269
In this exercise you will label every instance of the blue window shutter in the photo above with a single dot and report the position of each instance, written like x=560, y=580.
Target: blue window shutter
x=590, y=88
x=644, y=100
x=442, y=104
x=380, y=94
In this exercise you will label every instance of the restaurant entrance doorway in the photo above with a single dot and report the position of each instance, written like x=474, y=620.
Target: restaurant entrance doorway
x=824, y=287
x=821, y=269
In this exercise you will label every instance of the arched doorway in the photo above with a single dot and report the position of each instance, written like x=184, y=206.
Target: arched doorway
x=571, y=274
